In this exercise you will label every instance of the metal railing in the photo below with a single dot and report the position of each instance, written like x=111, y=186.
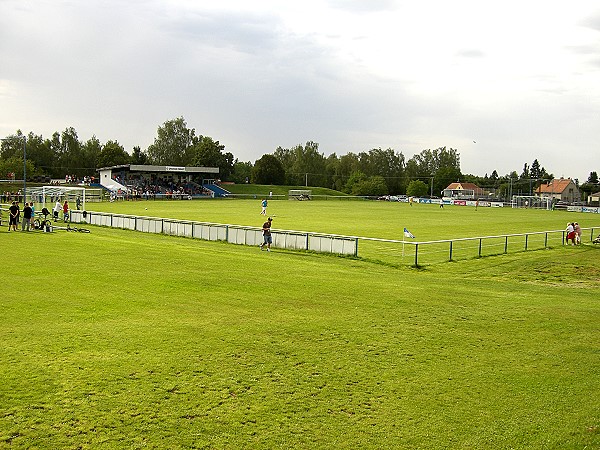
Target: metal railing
x=415, y=253
x=234, y=234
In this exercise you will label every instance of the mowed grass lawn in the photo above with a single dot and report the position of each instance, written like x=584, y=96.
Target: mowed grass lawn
x=118, y=339
x=366, y=218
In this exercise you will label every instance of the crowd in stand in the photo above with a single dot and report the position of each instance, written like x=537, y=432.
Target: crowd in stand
x=139, y=187
x=73, y=179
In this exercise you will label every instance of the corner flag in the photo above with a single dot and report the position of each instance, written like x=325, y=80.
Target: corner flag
x=408, y=234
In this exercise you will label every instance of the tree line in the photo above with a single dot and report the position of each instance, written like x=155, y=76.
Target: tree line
x=373, y=172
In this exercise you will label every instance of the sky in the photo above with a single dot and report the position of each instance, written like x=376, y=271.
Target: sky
x=502, y=82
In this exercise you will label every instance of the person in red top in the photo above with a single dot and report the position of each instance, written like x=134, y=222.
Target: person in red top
x=65, y=211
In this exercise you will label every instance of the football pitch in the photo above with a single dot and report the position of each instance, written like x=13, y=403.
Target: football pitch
x=120, y=339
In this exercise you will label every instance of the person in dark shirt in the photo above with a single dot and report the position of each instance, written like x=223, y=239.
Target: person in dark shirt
x=267, y=239
x=27, y=211
x=14, y=213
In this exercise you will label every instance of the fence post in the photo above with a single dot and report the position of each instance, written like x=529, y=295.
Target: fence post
x=546, y=240
x=526, y=239
x=480, y=247
x=356, y=247
x=450, y=251
x=417, y=255
x=506, y=244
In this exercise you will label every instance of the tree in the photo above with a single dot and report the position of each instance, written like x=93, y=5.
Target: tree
x=242, y=172
x=535, y=170
x=593, y=178
x=373, y=186
x=14, y=164
x=70, y=156
x=356, y=179
x=525, y=174
x=138, y=156
x=268, y=170
x=91, y=150
x=416, y=188
x=172, y=144
x=428, y=162
x=303, y=161
x=209, y=153
x=443, y=177
x=385, y=163
x=113, y=154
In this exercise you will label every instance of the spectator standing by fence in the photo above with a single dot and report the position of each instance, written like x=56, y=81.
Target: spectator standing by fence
x=65, y=209
x=570, y=233
x=13, y=213
x=577, y=229
x=56, y=209
x=32, y=212
x=26, y=218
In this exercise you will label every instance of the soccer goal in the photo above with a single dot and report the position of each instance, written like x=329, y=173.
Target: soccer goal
x=299, y=194
x=51, y=194
x=529, y=201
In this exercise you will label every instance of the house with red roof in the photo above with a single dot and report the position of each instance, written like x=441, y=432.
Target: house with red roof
x=560, y=189
x=463, y=190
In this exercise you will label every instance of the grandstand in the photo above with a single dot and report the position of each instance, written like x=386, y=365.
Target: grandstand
x=155, y=181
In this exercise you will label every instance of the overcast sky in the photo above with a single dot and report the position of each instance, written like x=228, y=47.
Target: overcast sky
x=520, y=78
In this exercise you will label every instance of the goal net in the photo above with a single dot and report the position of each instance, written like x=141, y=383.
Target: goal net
x=300, y=194
x=51, y=194
x=529, y=201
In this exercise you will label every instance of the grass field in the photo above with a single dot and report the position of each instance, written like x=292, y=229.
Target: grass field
x=119, y=339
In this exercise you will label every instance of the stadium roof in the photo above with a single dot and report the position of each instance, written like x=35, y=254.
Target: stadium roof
x=151, y=168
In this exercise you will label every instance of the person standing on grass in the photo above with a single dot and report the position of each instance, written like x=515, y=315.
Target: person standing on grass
x=577, y=230
x=32, y=212
x=570, y=233
x=264, y=204
x=65, y=209
x=56, y=210
x=13, y=213
x=26, y=218
x=267, y=239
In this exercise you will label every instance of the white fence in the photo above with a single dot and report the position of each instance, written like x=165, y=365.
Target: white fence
x=234, y=234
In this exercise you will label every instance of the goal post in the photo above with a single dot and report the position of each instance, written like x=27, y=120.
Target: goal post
x=530, y=201
x=57, y=193
x=300, y=194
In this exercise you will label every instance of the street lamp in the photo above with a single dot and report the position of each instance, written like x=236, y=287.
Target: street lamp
x=24, y=162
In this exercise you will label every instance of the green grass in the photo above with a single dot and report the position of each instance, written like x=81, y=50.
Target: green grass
x=359, y=218
x=266, y=189
x=119, y=339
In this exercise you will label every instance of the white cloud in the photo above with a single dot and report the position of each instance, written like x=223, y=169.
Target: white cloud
x=518, y=77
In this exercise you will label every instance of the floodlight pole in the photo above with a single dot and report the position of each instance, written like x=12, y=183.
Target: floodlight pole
x=24, y=169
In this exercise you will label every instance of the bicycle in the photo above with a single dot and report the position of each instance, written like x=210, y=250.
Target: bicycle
x=42, y=223
x=69, y=228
